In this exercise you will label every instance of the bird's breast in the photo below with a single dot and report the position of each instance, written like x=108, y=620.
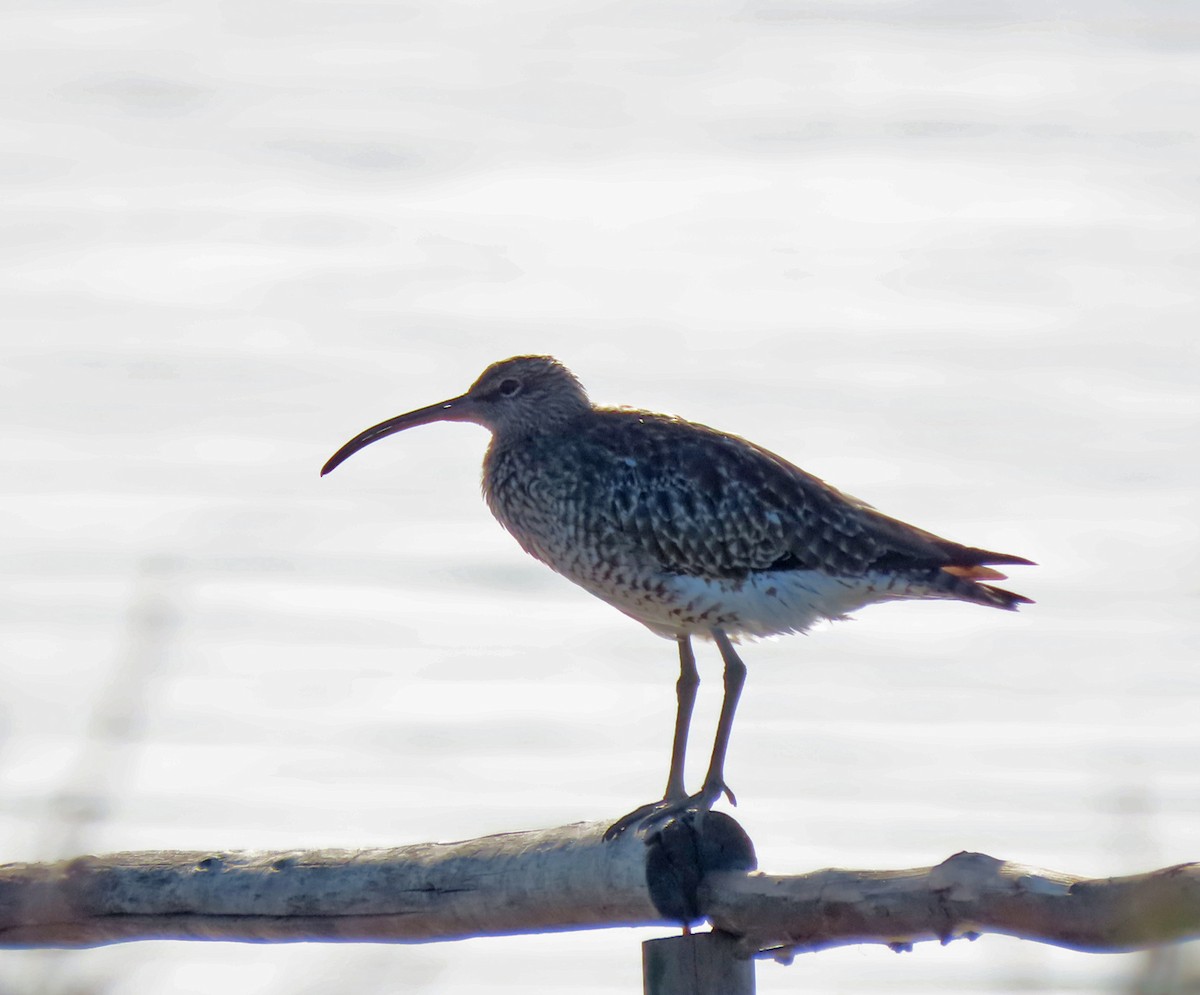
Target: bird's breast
x=536, y=504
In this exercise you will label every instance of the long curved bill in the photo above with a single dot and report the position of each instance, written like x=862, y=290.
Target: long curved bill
x=455, y=409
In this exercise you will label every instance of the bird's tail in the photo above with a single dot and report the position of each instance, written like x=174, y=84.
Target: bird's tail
x=963, y=576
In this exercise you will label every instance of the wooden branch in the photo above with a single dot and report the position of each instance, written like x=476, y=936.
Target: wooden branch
x=554, y=879
x=570, y=878
x=964, y=896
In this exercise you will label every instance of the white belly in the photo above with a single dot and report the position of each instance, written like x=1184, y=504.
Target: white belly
x=765, y=604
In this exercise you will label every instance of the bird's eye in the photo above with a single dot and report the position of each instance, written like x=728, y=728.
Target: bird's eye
x=509, y=387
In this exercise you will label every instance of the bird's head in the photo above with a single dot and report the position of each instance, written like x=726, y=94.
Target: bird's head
x=524, y=395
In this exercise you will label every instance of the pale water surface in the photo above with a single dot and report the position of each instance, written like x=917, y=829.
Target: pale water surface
x=942, y=254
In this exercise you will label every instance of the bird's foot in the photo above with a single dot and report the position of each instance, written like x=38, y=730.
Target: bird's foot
x=658, y=814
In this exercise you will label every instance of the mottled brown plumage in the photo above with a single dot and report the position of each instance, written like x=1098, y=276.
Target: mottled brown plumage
x=687, y=529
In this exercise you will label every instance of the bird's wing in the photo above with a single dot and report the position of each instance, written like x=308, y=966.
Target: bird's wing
x=703, y=503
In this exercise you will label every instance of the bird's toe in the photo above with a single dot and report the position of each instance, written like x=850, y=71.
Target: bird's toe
x=655, y=815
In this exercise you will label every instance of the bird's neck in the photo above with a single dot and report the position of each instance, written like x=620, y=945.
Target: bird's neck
x=545, y=423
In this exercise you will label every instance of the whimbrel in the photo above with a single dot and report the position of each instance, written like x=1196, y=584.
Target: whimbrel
x=690, y=531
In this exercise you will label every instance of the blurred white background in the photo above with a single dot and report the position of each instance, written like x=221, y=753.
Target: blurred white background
x=942, y=254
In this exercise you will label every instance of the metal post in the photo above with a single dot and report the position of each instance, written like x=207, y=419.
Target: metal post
x=696, y=964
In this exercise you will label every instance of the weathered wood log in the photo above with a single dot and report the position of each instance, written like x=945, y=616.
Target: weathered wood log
x=570, y=878
x=964, y=896
x=550, y=879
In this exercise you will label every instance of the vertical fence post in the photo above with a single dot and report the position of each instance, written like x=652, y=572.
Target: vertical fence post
x=696, y=964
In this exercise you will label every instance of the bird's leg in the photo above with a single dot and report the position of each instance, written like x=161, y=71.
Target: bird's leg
x=735, y=677
x=677, y=801
x=676, y=796
x=685, y=693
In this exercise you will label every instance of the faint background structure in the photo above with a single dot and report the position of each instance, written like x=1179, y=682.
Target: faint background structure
x=942, y=254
